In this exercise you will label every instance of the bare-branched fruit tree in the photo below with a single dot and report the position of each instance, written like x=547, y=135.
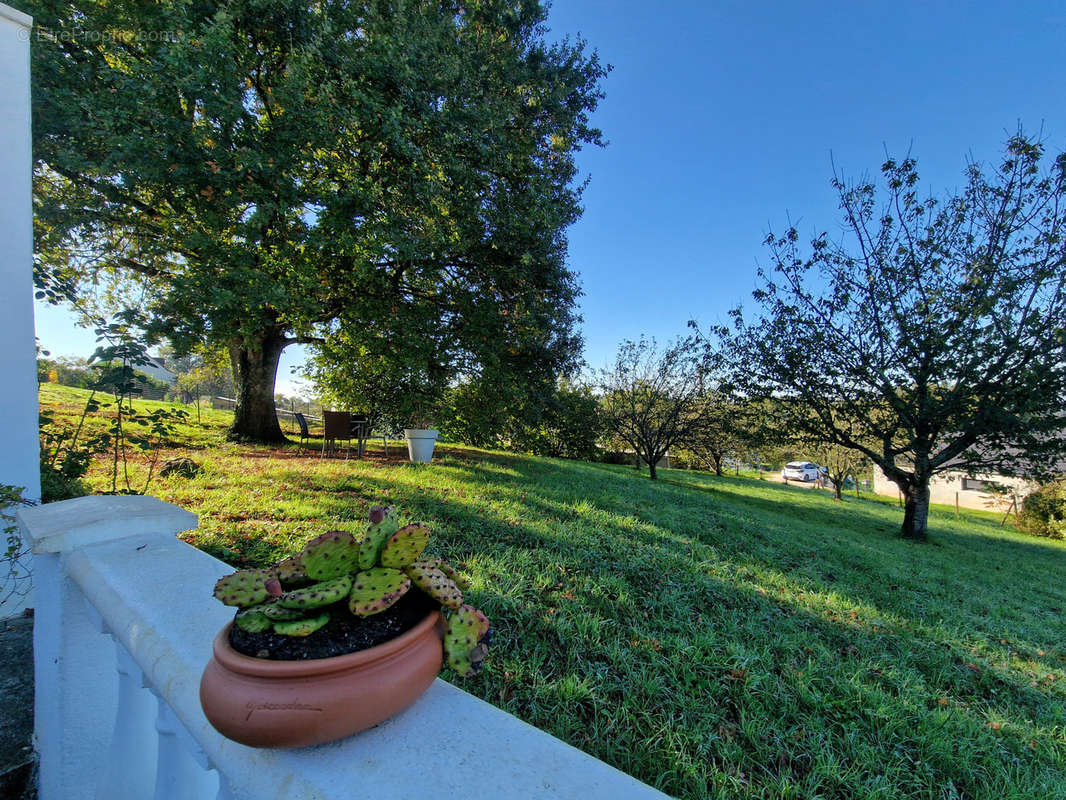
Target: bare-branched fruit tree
x=930, y=334
x=652, y=397
x=722, y=430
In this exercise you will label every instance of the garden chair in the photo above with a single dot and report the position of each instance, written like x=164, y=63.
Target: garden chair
x=301, y=421
x=360, y=431
x=336, y=426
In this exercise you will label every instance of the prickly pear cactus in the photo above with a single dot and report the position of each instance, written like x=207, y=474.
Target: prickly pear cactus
x=428, y=577
x=317, y=594
x=383, y=524
x=465, y=640
x=244, y=588
x=376, y=589
x=301, y=627
x=289, y=570
x=457, y=579
x=371, y=575
x=330, y=556
x=278, y=613
x=253, y=620
x=404, y=546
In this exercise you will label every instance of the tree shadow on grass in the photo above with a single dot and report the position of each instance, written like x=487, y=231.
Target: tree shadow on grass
x=851, y=548
x=674, y=649
x=701, y=637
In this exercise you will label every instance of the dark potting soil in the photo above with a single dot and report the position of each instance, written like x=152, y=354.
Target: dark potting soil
x=344, y=633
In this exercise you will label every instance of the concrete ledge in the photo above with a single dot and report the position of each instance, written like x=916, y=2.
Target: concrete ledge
x=154, y=594
x=16, y=16
x=61, y=527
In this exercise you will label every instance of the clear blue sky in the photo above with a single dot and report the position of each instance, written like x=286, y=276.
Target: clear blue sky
x=721, y=118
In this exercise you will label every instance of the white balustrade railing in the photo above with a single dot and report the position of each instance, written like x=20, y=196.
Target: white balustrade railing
x=123, y=629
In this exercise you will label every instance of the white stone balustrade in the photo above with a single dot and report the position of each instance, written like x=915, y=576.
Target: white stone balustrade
x=122, y=719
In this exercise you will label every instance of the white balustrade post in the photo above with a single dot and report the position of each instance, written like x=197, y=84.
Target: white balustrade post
x=225, y=791
x=19, y=459
x=131, y=764
x=183, y=770
x=75, y=693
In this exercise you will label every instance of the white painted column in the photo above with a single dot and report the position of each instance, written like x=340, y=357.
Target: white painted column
x=18, y=402
x=131, y=765
x=76, y=670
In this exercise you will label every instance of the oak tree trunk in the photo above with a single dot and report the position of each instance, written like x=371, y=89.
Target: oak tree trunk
x=651, y=468
x=717, y=458
x=255, y=369
x=916, y=511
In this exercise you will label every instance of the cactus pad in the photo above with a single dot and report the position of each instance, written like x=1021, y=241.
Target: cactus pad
x=289, y=570
x=376, y=589
x=404, y=546
x=428, y=577
x=466, y=630
x=376, y=535
x=244, y=588
x=330, y=555
x=253, y=620
x=301, y=627
x=457, y=579
x=278, y=613
x=317, y=594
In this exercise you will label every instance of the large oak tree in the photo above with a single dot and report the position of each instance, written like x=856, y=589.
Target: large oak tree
x=931, y=334
x=381, y=177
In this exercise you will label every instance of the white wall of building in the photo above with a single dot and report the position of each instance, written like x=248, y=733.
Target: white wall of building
x=18, y=397
x=949, y=487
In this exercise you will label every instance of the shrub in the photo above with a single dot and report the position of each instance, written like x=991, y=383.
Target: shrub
x=66, y=452
x=568, y=426
x=15, y=576
x=1044, y=511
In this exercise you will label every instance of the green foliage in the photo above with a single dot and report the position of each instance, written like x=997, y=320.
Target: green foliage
x=929, y=337
x=15, y=576
x=841, y=463
x=722, y=430
x=68, y=447
x=1044, y=511
x=568, y=426
x=562, y=421
x=652, y=398
x=712, y=636
x=392, y=395
x=203, y=372
x=120, y=353
x=390, y=181
x=67, y=451
x=65, y=370
x=66, y=404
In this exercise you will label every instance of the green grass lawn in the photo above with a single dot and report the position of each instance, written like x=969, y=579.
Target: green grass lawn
x=715, y=637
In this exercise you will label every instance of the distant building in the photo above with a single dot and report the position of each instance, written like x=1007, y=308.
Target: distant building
x=157, y=368
x=987, y=491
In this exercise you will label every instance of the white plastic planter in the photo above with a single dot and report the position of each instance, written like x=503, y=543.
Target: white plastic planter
x=420, y=444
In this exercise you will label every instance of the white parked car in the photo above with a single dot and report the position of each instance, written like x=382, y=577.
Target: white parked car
x=800, y=471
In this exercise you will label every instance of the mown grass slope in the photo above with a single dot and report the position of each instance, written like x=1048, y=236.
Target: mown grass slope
x=715, y=637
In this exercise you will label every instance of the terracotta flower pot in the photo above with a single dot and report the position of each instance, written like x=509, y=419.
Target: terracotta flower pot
x=265, y=703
